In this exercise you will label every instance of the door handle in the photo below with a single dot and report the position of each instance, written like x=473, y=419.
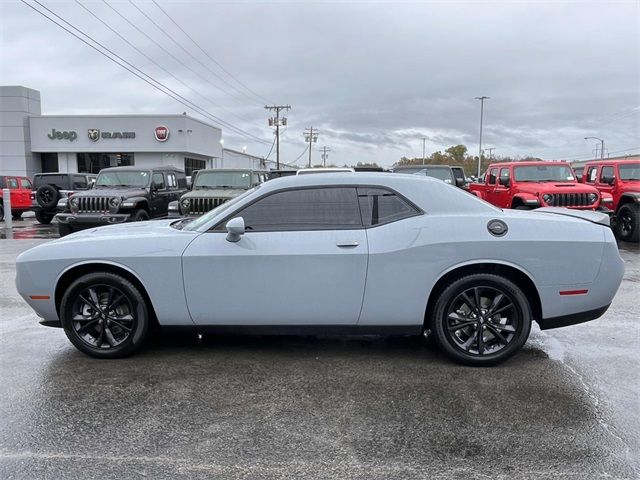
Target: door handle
x=352, y=243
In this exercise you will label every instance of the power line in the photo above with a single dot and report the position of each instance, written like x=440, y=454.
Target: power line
x=300, y=156
x=271, y=149
x=311, y=136
x=149, y=80
x=166, y=34
x=259, y=97
x=157, y=64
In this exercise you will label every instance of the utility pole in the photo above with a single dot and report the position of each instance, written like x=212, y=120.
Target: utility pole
x=601, y=146
x=325, y=155
x=491, y=152
x=277, y=122
x=424, y=139
x=311, y=136
x=482, y=99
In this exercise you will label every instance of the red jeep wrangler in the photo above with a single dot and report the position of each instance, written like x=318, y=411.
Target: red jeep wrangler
x=20, y=194
x=527, y=185
x=621, y=180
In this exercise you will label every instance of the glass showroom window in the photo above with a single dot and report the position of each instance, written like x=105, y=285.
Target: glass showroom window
x=191, y=164
x=94, y=162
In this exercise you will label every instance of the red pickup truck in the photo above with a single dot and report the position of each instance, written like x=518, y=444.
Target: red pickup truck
x=527, y=185
x=20, y=195
x=621, y=180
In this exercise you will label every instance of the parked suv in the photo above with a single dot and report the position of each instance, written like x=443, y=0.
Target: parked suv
x=527, y=185
x=123, y=194
x=442, y=172
x=51, y=190
x=621, y=180
x=19, y=194
x=212, y=188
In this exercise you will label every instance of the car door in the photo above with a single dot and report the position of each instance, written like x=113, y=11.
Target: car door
x=606, y=171
x=301, y=261
x=502, y=193
x=158, y=196
x=491, y=179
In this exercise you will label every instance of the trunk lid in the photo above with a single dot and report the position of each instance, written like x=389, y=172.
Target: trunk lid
x=588, y=215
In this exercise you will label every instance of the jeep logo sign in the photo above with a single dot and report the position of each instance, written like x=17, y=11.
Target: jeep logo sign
x=66, y=135
x=161, y=133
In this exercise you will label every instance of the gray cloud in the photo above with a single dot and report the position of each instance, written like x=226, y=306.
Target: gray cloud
x=374, y=77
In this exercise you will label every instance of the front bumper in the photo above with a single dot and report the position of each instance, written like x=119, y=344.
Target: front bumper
x=86, y=220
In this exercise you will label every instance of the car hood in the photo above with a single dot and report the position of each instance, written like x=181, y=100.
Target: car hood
x=151, y=228
x=218, y=193
x=555, y=187
x=112, y=192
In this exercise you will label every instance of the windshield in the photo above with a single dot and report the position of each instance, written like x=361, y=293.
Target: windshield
x=128, y=178
x=544, y=173
x=223, y=180
x=439, y=173
x=198, y=222
x=629, y=171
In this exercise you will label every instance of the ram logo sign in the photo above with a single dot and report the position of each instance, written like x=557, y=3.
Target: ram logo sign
x=161, y=133
x=93, y=134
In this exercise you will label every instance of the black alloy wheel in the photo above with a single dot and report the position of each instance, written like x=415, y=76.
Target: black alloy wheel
x=104, y=315
x=481, y=319
x=47, y=196
x=44, y=218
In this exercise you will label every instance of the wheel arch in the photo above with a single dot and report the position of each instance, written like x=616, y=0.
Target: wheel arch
x=517, y=275
x=71, y=273
x=627, y=198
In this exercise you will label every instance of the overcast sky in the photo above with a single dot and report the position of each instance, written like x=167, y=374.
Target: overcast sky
x=373, y=77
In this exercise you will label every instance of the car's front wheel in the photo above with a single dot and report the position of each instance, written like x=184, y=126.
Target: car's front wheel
x=104, y=315
x=481, y=319
x=44, y=218
x=628, y=222
x=140, y=215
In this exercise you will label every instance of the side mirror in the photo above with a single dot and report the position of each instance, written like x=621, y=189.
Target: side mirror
x=608, y=180
x=460, y=182
x=153, y=188
x=235, y=229
x=504, y=182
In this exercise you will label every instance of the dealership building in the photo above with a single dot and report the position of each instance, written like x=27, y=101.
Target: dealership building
x=32, y=143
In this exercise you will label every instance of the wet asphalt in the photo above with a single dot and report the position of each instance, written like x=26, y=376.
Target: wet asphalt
x=228, y=407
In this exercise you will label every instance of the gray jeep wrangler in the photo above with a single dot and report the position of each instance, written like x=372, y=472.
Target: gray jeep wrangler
x=212, y=188
x=123, y=194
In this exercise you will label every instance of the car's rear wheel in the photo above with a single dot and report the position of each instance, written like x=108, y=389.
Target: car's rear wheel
x=481, y=319
x=44, y=218
x=16, y=215
x=628, y=222
x=47, y=196
x=104, y=315
x=140, y=215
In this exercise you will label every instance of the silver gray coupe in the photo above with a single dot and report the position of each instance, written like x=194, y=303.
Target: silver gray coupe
x=355, y=253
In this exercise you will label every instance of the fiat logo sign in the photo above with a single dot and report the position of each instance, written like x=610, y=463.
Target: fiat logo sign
x=161, y=133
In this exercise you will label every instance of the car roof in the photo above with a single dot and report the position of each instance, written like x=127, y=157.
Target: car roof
x=232, y=170
x=419, y=165
x=163, y=168
x=619, y=160
x=529, y=163
x=346, y=179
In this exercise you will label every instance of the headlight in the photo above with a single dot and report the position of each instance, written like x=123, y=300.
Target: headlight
x=115, y=202
x=547, y=198
x=185, y=202
x=592, y=197
x=74, y=202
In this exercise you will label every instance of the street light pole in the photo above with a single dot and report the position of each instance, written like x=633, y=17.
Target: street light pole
x=424, y=139
x=601, y=146
x=482, y=99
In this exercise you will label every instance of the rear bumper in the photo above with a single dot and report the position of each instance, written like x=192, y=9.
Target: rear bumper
x=86, y=220
x=572, y=319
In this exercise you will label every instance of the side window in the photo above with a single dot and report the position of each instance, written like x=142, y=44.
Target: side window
x=493, y=173
x=606, y=172
x=504, y=176
x=79, y=182
x=305, y=209
x=379, y=206
x=12, y=183
x=26, y=183
x=591, y=174
x=171, y=180
x=158, y=179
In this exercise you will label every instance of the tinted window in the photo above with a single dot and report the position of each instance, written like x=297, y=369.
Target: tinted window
x=79, y=182
x=492, y=176
x=606, y=172
x=629, y=171
x=26, y=183
x=61, y=181
x=12, y=183
x=504, y=174
x=307, y=209
x=378, y=206
x=158, y=179
x=591, y=174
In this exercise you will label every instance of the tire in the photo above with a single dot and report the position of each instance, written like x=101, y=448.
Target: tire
x=104, y=332
x=44, y=218
x=512, y=323
x=628, y=222
x=47, y=196
x=65, y=229
x=16, y=215
x=139, y=215
x=1, y=213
